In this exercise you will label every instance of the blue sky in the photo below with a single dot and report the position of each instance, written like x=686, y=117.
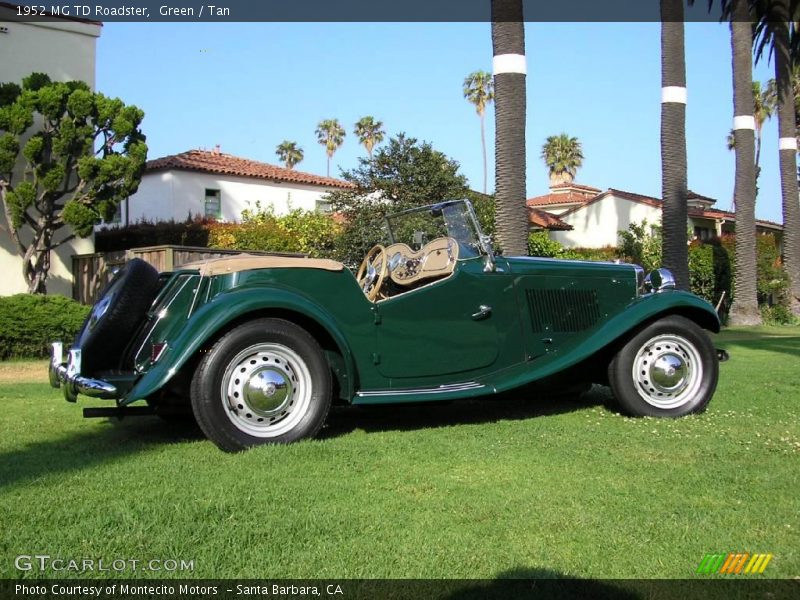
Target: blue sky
x=249, y=86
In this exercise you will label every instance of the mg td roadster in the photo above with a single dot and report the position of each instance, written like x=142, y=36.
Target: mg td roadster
x=257, y=348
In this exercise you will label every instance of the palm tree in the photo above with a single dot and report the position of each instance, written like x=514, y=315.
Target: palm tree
x=764, y=102
x=776, y=30
x=479, y=91
x=750, y=112
x=673, y=142
x=330, y=134
x=508, y=44
x=563, y=156
x=370, y=133
x=289, y=153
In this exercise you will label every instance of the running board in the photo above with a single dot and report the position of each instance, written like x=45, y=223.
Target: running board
x=118, y=411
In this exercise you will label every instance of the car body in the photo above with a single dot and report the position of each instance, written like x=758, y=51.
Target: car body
x=260, y=346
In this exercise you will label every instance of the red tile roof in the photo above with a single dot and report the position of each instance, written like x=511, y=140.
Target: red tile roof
x=545, y=220
x=562, y=198
x=216, y=162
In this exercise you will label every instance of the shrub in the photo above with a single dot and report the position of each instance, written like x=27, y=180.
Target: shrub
x=641, y=245
x=29, y=322
x=301, y=231
x=191, y=232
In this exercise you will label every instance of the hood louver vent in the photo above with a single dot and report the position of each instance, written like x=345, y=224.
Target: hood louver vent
x=563, y=311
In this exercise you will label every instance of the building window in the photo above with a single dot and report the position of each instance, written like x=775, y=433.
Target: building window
x=117, y=218
x=213, y=207
x=323, y=206
x=702, y=233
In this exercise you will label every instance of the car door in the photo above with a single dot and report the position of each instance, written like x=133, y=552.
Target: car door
x=449, y=328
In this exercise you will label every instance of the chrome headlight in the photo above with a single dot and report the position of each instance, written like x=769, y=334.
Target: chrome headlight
x=659, y=280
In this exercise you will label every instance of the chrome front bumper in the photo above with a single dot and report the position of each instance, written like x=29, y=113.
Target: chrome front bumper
x=66, y=375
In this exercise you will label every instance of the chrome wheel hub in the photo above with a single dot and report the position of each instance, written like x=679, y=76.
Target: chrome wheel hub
x=668, y=371
x=266, y=390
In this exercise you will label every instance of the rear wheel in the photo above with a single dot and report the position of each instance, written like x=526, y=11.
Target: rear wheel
x=669, y=369
x=267, y=381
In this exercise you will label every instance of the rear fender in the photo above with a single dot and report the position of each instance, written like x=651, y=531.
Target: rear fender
x=227, y=308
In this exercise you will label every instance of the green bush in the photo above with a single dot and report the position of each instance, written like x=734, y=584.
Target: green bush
x=191, y=232
x=300, y=231
x=29, y=322
x=540, y=244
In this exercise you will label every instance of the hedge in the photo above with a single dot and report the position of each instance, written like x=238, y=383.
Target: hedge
x=29, y=322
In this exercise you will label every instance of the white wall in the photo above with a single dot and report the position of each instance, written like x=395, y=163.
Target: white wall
x=65, y=50
x=596, y=225
x=165, y=195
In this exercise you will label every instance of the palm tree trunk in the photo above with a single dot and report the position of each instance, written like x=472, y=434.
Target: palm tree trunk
x=483, y=147
x=508, y=43
x=788, y=158
x=745, y=301
x=673, y=142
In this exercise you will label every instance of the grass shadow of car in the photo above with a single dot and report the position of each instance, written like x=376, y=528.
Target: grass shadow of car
x=517, y=405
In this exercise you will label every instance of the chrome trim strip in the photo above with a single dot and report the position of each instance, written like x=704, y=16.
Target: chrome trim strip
x=442, y=389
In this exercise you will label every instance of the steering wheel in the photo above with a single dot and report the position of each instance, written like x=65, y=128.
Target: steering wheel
x=372, y=271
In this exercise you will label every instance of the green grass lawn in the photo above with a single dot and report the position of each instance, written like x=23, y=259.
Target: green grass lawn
x=467, y=490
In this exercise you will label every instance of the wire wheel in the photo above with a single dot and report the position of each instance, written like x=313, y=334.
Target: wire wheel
x=266, y=390
x=668, y=371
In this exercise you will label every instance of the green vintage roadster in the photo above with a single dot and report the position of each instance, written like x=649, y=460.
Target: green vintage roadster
x=257, y=348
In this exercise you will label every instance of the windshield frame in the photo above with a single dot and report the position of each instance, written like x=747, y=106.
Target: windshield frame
x=478, y=243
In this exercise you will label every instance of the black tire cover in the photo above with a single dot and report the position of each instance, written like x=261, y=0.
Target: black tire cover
x=116, y=316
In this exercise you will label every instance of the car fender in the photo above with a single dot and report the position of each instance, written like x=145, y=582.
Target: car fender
x=642, y=310
x=224, y=309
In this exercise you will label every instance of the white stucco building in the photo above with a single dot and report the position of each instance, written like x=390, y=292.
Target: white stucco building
x=217, y=185
x=594, y=217
x=64, y=49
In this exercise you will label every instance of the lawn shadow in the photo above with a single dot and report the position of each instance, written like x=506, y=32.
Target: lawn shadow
x=93, y=447
x=511, y=406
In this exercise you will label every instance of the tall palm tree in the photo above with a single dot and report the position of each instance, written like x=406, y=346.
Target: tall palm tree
x=749, y=112
x=673, y=142
x=508, y=45
x=330, y=134
x=289, y=153
x=563, y=156
x=776, y=31
x=479, y=91
x=370, y=133
x=764, y=102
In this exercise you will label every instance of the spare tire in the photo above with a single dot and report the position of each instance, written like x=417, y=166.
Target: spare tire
x=116, y=315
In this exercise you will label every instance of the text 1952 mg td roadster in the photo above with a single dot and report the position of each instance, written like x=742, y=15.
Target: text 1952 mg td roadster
x=260, y=346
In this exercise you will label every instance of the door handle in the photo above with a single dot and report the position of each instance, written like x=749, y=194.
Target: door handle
x=483, y=312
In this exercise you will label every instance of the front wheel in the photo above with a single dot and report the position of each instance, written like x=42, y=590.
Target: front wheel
x=669, y=369
x=267, y=381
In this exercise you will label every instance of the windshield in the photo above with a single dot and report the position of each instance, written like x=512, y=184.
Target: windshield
x=418, y=226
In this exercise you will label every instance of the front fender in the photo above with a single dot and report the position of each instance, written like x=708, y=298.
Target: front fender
x=219, y=312
x=642, y=310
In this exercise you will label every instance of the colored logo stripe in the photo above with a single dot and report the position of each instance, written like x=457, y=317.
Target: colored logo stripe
x=734, y=563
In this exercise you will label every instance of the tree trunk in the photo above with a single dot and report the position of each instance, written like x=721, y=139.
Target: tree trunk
x=673, y=143
x=483, y=147
x=508, y=42
x=745, y=301
x=788, y=158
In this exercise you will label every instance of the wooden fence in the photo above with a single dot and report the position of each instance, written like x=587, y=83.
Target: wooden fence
x=91, y=272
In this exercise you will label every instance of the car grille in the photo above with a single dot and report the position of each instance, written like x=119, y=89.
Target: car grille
x=562, y=311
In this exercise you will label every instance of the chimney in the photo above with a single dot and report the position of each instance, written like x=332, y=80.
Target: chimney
x=216, y=150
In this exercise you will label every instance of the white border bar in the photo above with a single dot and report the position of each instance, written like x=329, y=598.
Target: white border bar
x=744, y=122
x=673, y=93
x=509, y=63
x=788, y=143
